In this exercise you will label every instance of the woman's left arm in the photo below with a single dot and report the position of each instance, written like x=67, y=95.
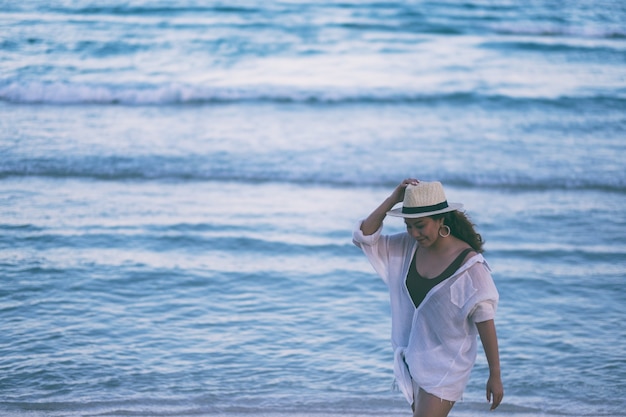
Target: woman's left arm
x=489, y=339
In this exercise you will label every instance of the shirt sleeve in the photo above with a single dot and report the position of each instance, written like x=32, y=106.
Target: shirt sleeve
x=483, y=311
x=376, y=249
x=359, y=239
x=485, y=300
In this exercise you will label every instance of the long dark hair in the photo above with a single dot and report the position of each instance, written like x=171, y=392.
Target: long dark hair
x=462, y=228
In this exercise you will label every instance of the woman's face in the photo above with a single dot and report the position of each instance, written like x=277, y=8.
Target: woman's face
x=424, y=229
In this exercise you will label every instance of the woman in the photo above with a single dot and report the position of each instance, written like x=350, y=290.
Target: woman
x=442, y=296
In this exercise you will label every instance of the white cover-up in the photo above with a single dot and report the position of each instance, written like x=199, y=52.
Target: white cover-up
x=436, y=343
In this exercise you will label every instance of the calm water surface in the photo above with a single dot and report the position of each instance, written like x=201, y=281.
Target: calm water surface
x=178, y=185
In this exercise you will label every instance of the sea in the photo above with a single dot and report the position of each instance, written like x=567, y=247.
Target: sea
x=179, y=181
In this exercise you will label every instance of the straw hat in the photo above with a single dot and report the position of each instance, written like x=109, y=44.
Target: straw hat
x=424, y=199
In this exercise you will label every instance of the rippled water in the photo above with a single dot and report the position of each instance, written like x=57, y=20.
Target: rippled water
x=178, y=186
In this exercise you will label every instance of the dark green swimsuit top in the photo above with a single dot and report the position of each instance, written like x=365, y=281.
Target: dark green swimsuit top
x=419, y=286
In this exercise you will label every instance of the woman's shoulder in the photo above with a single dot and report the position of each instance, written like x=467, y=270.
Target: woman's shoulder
x=477, y=266
x=460, y=248
x=470, y=256
x=469, y=253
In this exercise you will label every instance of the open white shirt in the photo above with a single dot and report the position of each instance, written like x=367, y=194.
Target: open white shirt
x=435, y=344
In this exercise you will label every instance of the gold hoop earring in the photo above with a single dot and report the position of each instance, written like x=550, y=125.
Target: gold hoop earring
x=447, y=234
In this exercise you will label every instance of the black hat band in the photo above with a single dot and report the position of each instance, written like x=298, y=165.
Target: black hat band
x=424, y=209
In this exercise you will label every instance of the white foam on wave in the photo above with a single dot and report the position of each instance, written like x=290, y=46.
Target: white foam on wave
x=65, y=93
x=176, y=93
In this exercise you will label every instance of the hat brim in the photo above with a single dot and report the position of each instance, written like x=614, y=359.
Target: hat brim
x=397, y=212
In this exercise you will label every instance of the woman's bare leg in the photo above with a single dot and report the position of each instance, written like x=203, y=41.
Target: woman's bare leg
x=428, y=405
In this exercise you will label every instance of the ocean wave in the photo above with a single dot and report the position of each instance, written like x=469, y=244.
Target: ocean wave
x=63, y=93
x=168, y=10
x=562, y=31
x=428, y=17
x=525, y=184
x=595, y=52
x=135, y=9
x=169, y=169
x=394, y=17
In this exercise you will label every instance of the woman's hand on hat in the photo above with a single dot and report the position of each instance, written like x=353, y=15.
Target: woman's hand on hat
x=398, y=193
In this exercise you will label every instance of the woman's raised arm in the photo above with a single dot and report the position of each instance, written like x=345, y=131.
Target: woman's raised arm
x=373, y=222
